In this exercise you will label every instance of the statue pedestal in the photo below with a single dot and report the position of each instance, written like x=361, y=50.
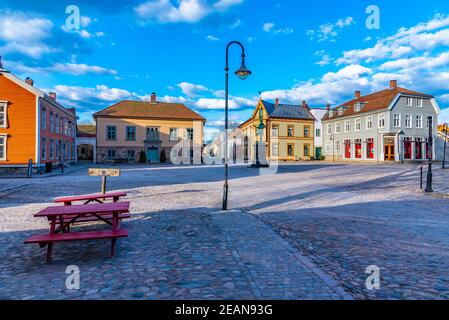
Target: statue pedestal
x=261, y=156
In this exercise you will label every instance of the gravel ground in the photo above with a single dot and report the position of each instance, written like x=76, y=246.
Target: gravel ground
x=341, y=217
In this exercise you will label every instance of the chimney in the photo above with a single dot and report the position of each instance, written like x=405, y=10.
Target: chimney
x=153, y=98
x=1, y=65
x=29, y=81
x=304, y=103
x=276, y=102
x=358, y=94
x=328, y=107
x=393, y=84
x=52, y=95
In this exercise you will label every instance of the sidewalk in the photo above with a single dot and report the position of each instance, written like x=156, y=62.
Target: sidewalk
x=55, y=172
x=440, y=180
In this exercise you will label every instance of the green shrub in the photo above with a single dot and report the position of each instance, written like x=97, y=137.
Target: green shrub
x=322, y=158
x=142, y=157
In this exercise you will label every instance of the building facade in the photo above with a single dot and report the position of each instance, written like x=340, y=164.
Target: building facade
x=389, y=125
x=137, y=131
x=318, y=113
x=33, y=125
x=86, y=142
x=288, y=134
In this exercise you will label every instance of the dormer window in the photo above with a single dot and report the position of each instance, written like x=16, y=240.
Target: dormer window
x=341, y=111
x=357, y=107
x=331, y=113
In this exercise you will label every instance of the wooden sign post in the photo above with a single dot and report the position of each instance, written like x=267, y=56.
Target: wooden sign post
x=103, y=173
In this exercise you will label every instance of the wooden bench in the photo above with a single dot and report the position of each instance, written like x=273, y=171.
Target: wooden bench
x=88, y=198
x=49, y=239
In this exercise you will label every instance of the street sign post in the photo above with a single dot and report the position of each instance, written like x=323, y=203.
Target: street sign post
x=104, y=173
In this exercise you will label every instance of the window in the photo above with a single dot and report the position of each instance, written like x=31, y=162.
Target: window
x=318, y=133
x=341, y=111
x=306, y=131
x=419, y=102
x=52, y=148
x=347, y=126
x=52, y=122
x=409, y=102
x=329, y=129
x=358, y=124
x=419, y=122
x=57, y=124
x=381, y=121
x=174, y=134
x=57, y=149
x=290, y=150
x=337, y=127
x=275, y=131
x=331, y=113
x=290, y=131
x=408, y=121
x=306, y=150
x=397, y=120
x=2, y=147
x=130, y=133
x=337, y=145
x=44, y=148
x=357, y=107
x=111, y=154
x=369, y=123
x=3, y=114
x=44, y=118
x=131, y=155
x=427, y=126
x=275, y=150
x=111, y=133
x=189, y=132
x=153, y=134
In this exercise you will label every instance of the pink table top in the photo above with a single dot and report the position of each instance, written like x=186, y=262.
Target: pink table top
x=97, y=208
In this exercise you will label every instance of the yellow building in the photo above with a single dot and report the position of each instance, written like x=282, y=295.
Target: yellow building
x=130, y=131
x=288, y=134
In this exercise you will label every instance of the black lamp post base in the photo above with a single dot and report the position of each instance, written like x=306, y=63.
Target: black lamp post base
x=259, y=165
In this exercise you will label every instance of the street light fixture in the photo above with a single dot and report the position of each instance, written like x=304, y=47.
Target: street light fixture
x=243, y=73
x=429, y=170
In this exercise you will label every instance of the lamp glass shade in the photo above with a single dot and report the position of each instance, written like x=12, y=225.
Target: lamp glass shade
x=243, y=73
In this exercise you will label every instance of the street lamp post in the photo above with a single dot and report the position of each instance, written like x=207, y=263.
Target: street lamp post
x=242, y=73
x=401, y=146
x=429, y=171
x=445, y=145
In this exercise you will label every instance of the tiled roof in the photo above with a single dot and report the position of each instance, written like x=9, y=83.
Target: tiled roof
x=144, y=109
x=374, y=101
x=86, y=130
x=287, y=111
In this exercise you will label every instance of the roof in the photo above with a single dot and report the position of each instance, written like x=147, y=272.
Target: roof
x=153, y=110
x=375, y=101
x=86, y=130
x=287, y=111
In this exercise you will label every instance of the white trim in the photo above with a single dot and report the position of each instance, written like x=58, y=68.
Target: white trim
x=5, y=151
x=5, y=103
x=435, y=105
x=393, y=103
x=38, y=131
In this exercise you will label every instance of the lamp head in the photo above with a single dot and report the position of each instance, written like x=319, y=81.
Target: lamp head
x=243, y=73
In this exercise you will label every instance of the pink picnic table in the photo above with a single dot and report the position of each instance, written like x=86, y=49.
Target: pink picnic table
x=61, y=217
x=88, y=198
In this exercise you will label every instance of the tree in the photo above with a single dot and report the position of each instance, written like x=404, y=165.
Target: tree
x=142, y=157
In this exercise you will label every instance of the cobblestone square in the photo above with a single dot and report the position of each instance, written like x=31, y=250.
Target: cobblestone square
x=307, y=232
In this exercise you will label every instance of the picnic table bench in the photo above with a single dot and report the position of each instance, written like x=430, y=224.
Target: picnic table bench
x=61, y=217
x=88, y=198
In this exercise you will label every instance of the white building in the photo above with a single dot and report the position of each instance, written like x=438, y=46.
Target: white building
x=389, y=125
x=318, y=113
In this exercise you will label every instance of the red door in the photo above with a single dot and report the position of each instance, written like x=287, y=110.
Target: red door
x=408, y=149
x=358, y=150
x=418, y=150
x=347, y=149
x=370, y=151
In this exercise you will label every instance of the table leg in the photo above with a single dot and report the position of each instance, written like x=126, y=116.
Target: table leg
x=49, y=251
x=114, y=228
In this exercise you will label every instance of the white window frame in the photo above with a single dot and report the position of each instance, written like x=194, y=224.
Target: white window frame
x=341, y=111
x=408, y=122
x=171, y=138
x=381, y=121
x=337, y=127
x=318, y=132
x=4, y=145
x=427, y=122
x=331, y=113
x=329, y=128
x=369, y=123
x=409, y=102
x=420, y=102
x=398, y=125
x=357, y=107
x=5, y=114
x=419, y=121
x=358, y=124
x=347, y=125
x=44, y=148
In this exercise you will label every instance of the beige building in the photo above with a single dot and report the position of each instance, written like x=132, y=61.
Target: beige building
x=136, y=131
x=288, y=134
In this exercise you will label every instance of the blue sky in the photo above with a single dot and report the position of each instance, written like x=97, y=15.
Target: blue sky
x=319, y=51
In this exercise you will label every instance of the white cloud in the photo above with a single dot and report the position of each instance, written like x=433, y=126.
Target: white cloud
x=190, y=11
x=212, y=38
x=71, y=68
x=191, y=89
x=325, y=59
x=100, y=92
x=270, y=27
x=329, y=31
x=219, y=104
x=236, y=24
x=24, y=34
x=444, y=116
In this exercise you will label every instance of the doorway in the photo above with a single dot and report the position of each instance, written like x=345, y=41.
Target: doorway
x=152, y=154
x=389, y=152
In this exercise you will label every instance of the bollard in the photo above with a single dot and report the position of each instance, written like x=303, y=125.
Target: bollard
x=30, y=168
x=421, y=183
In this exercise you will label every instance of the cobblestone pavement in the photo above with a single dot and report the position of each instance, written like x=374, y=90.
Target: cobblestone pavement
x=440, y=180
x=329, y=221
